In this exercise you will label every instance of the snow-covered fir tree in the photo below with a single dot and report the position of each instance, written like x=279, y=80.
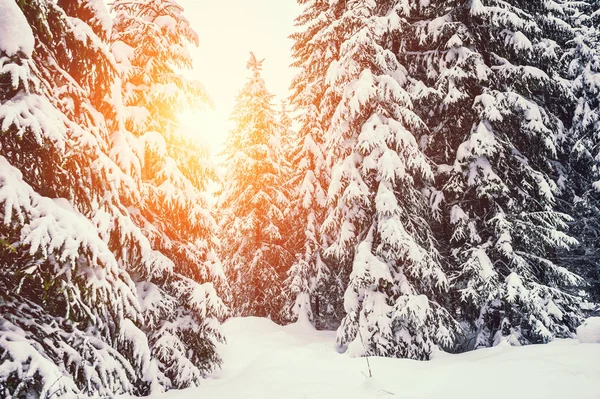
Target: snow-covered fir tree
x=378, y=214
x=181, y=306
x=57, y=267
x=253, y=203
x=496, y=101
x=312, y=287
x=89, y=304
x=288, y=136
x=582, y=197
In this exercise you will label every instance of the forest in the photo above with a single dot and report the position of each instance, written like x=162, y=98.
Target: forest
x=431, y=184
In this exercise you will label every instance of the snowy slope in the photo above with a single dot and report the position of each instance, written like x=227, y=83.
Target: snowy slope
x=267, y=361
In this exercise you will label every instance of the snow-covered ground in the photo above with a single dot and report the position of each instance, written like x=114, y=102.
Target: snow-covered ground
x=267, y=361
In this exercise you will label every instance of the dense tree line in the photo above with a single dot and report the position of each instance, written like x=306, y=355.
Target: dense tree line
x=458, y=143
x=443, y=188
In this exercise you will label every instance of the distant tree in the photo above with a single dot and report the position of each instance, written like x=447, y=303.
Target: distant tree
x=288, y=136
x=253, y=203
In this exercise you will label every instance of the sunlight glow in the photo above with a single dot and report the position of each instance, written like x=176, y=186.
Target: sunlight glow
x=208, y=126
x=220, y=60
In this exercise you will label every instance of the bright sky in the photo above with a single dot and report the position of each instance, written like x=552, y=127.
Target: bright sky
x=228, y=31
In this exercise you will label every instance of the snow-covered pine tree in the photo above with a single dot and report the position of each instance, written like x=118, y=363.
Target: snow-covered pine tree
x=582, y=198
x=378, y=215
x=311, y=286
x=288, y=136
x=180, y=305
x=288, y=144
x=497, y=106
x=64, y=294
x=253, y=202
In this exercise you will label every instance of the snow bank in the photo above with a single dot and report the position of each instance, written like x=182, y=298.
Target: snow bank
x=589, y=331
x=15, y=32
x=267, y=361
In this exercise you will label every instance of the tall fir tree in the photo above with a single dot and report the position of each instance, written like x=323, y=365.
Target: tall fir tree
x=288, y=135
x=378, y=213
x=57, y=266
x=113, y=312
x=314, y=289
x=149, y=40
x=496, y=101
x=253, y=203
x=582, y=198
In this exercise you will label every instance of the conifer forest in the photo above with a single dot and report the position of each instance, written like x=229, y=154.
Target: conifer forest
x=419, y=210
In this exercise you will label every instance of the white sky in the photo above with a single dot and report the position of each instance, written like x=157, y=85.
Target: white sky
x=228, y=31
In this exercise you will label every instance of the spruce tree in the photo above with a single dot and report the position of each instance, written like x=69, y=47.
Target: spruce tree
x=288, y=136
x=64, y=293
x=253, y=203
x=313, y=287
x=581, y=199
x=497, y=104
x=378, y=214
x=90, y=304
x=181, y=305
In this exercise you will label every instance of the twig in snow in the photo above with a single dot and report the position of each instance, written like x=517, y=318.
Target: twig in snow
x=366, y=357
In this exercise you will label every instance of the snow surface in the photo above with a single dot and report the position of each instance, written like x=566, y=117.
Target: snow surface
x=589, y=331
x=263, y=360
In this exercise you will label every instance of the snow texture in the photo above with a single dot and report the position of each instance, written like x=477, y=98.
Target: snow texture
x=267, y=361
x=15, y=32
x=589, y=331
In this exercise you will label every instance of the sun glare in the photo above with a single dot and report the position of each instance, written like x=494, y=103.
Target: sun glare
x=208, y=126
x=220, y=59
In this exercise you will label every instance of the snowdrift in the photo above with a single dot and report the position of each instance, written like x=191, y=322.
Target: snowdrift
x=267, y=361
